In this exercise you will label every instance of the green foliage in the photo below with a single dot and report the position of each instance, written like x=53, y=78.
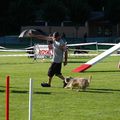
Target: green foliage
x=112, y=10
x=99, y=102
x=96, y=5
x=16, y=13
x=79, y=11
x=54, y=11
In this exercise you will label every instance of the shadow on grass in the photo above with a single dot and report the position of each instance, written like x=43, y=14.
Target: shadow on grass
x=44, y=93
x=105, y=89
x=2, y=90
x=18, y=91
x=97, y=91
x=24, y=92
x=90, y=90
x=2, y=86
x=101, y=90
x=101, y=71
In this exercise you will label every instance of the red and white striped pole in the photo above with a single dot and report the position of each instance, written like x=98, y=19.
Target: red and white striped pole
x=7, y=97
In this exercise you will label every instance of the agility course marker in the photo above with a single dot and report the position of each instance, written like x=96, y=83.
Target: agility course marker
x=30, y=98
x=98, y=58
x=7, y=97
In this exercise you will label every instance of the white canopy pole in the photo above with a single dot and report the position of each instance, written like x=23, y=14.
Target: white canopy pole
x=30, y=99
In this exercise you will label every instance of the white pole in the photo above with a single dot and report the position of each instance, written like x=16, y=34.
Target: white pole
x=97, y=47
x=30, y=99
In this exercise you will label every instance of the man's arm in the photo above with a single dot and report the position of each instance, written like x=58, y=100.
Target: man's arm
x=40, y=37
x=63, y=47
x=65, y=57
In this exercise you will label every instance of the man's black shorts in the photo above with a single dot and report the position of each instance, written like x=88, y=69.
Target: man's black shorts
x=55, y=69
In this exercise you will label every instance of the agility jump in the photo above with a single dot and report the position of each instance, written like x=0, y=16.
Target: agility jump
x=98, y=58
x=8, y=98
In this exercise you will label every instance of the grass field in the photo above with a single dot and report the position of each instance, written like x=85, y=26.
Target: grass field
x=99, y=102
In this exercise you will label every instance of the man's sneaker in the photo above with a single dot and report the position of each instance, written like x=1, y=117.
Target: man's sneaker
x=64, y=84
x=45, y=85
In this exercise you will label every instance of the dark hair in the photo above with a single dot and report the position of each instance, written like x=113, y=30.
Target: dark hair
x=56, y=34
x=50, y=42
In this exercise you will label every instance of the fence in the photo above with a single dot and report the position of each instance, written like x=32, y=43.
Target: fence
x=15, y=41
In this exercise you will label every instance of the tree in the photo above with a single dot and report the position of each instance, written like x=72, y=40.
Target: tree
x=4, y=5
x=112, y=10
x=96, y=5
x=53, y=11
x=20, y=13
x=79, y=12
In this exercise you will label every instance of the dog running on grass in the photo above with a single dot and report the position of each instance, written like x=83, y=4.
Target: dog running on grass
x=78, y=83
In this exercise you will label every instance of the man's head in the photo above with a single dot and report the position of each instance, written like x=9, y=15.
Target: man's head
x=56, y=35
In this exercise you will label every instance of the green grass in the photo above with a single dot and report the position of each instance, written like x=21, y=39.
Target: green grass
x=99, y=102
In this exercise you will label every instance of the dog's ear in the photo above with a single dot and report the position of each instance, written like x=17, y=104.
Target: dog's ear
x=67, y=79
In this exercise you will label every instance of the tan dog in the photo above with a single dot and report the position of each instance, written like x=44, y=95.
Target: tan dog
x=79, y=83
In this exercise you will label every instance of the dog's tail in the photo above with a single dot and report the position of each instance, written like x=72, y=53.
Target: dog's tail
x=90, y=78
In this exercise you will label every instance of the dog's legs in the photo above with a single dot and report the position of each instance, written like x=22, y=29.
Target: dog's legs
x=78, y=90
x=72, y=87
x=84, y=89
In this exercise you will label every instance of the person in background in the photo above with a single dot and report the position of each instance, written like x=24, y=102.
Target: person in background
x=119, y=65
x=85, y=37
x=60, y=56
x=50, y=45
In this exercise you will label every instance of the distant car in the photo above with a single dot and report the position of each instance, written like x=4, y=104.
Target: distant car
x=118, y=52
x=80, y=52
